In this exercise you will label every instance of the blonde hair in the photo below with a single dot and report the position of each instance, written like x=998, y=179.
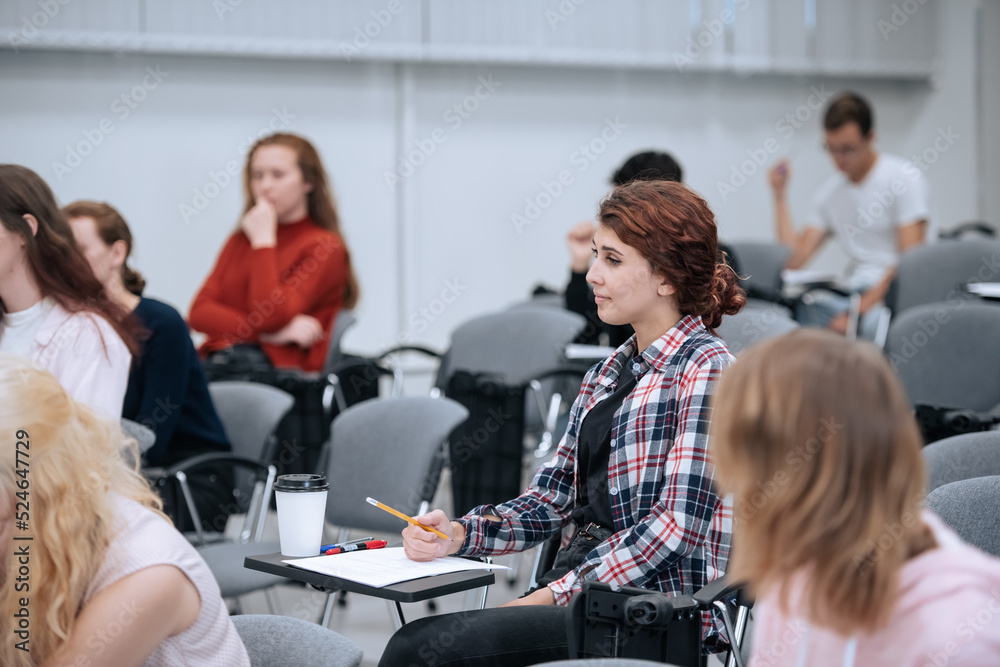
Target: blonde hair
x=69, y=459
x=816, y=439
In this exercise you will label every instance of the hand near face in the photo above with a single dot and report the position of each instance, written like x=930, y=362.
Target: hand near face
x=260, y=224
x=303, y=330
x=779, y=176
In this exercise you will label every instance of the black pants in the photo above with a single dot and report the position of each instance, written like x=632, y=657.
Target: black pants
x=501, y=637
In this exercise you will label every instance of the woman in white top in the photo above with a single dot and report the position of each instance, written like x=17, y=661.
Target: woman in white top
x=52, y=308
x=102, y=578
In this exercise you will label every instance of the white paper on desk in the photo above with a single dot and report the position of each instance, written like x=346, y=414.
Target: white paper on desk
x=382, y=567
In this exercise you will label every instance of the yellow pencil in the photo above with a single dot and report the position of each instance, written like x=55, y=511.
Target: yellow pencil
x=381, y=506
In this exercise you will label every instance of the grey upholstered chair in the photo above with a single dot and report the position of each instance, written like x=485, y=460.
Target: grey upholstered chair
x=940, y=271
x=761, y=264
x=249, y=412
x=944, y=356
x=388, y=449
x=961, y=457
x=283, y=641
x=517, y=344
x=758, y=321
x=971, y=508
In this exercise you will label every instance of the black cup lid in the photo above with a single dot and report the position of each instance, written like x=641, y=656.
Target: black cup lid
x=299, y=483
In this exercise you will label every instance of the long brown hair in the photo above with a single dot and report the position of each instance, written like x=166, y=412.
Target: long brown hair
x=111, y=227
x=816, y=439
x=57, y=265
x=322, y=206
x=674, y=229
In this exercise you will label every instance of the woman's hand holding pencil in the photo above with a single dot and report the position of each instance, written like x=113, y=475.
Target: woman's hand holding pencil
x=421, y=544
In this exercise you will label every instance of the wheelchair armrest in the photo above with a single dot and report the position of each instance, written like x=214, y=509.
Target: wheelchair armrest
x=721, y=589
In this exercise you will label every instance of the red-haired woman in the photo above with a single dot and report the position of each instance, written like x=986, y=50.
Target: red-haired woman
x=632, y=473
x=815, y=438
x=54, y=311
x=285, y=273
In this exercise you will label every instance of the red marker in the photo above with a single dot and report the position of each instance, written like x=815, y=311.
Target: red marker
x=374, y=544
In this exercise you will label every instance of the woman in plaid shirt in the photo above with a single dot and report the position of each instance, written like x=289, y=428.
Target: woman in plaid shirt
x=632, y=472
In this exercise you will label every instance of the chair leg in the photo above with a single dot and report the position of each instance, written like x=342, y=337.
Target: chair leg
x=331, y=601
x=272, y=601
x=396, y=611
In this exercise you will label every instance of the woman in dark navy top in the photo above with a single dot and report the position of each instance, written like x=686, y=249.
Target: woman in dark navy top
x=167, y=390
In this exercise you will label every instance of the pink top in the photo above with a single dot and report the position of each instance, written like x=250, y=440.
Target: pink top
x=88, y=358
x=143, y=539
x=948, y=613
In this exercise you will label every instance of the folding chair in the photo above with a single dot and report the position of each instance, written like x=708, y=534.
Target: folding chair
x=388, y=449
x=941, y=272
x=249, y=412
x=943, y=355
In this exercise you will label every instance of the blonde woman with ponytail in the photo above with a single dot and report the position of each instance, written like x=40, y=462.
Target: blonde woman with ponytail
x=104, y=578
x=167, y=390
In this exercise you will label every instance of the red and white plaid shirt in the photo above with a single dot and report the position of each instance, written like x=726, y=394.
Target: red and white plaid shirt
x=673, y=530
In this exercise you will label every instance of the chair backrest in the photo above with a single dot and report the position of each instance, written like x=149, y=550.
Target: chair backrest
x=945, y=354
x=284, y=641
x=249, y=412
x=940, y=272
x=971, y=508
x=516, y=345
x=388, y=449
x=762, y=264
x=961, y=457
x=759, y=320
x=345, y=320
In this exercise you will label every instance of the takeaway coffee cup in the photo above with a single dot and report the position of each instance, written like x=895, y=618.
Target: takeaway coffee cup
x=301, y=503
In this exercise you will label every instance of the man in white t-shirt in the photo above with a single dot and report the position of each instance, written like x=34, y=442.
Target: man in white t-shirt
x=876, y=207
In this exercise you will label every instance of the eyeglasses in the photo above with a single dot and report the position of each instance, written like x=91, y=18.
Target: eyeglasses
x=846, y=151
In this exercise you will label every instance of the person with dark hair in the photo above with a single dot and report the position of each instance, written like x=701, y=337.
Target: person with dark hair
x=285, y=273
x=815, y=439
x=167, y=389
x=646, y=166
x=54, y=311
x=631, y=478
x=876, y=207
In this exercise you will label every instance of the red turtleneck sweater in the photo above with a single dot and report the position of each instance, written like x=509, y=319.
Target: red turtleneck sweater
x=254, y=291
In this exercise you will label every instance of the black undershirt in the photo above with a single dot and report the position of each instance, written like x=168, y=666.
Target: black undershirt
x=594, y=451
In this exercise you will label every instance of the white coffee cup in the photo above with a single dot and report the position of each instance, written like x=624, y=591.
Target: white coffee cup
x=301, y=501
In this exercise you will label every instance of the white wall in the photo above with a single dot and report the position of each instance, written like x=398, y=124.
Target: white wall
x=450, y=225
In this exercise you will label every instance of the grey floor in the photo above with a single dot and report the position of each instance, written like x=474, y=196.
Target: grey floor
x=367, y=621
